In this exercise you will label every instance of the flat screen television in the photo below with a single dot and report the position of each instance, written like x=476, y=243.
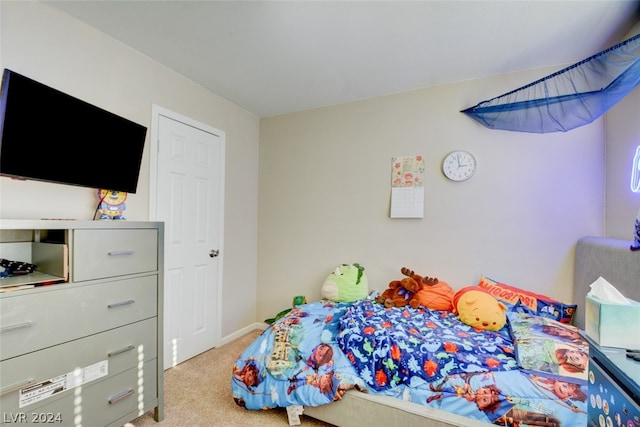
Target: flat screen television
x=48, y=135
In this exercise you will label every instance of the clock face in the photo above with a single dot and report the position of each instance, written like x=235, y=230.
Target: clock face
x=459, y=165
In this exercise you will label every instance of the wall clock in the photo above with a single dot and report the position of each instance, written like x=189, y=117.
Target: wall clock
x=459, y=165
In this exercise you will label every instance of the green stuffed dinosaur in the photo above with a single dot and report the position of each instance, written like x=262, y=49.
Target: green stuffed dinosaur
x=297, y=300
x=347, y=283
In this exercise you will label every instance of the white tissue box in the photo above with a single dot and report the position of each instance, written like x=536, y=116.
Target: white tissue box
x=611, y=324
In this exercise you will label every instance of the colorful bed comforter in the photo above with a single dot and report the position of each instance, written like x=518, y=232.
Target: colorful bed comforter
x=389, y=347
x=320, y=350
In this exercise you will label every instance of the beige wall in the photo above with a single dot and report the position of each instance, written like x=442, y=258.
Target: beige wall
x=53, y=48
x=321, y=197
x=623, y=138
x=325, y=189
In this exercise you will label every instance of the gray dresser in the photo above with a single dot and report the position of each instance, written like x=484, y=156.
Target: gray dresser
x=81, y=338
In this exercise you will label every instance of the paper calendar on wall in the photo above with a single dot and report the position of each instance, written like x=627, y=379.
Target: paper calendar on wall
x=407, y=187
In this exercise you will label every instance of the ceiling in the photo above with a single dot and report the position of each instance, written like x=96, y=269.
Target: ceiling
x=277, y=57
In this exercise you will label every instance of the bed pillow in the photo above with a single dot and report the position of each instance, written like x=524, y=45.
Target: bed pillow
x=544, y=345
x=523, y=301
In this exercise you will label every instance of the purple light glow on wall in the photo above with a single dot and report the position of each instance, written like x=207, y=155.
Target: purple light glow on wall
x=635, y=172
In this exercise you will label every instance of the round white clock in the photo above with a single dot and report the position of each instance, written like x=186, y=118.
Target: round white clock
x=459, y=165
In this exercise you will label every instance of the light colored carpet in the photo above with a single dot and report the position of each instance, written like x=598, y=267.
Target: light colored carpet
x=197, y=393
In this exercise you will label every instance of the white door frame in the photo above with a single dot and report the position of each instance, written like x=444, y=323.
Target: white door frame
x=156, y=112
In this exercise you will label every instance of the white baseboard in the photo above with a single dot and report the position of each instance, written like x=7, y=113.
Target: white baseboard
x=255, y=326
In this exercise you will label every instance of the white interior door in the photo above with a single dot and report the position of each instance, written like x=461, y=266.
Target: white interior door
x=189, y=200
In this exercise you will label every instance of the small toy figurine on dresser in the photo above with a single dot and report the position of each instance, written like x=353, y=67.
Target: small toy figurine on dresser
x=112, y=204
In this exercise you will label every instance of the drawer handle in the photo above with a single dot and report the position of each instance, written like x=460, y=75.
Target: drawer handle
x=122, y=303
x=122, y=350
x=119, y=396
x=14, y=387
x=116, y=253
x=17, y=326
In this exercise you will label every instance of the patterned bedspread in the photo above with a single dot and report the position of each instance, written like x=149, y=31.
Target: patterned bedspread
x=320, y=350
x=389, y=347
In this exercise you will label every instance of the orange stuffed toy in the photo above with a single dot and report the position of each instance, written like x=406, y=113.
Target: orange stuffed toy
x=404, y=292
x=437, y=295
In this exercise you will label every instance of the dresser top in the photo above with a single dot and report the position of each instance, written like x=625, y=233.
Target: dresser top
x=615, y=359
x=63, y=224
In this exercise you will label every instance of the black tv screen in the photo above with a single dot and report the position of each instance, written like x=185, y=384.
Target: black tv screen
x=48, y=135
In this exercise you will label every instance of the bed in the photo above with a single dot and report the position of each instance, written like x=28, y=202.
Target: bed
x=359, y=363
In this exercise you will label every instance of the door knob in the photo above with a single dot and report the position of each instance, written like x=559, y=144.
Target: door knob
x=214, y=253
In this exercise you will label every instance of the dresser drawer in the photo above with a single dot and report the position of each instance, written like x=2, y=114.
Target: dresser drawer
x=61, y=313
x=98, y=403
x=608, y=401
x=116, y=350
x=110, y=253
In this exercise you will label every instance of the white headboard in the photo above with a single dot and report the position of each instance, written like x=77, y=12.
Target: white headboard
x=608, y=258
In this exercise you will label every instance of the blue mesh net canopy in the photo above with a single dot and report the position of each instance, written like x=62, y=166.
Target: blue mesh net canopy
x=569, y=98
